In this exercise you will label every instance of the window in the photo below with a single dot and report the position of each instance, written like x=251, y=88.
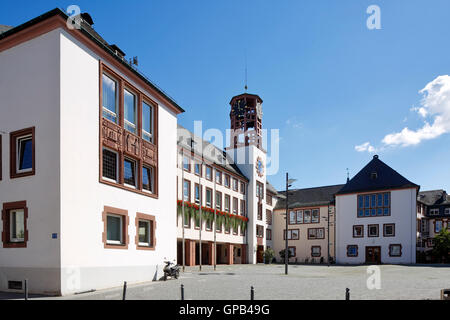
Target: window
x=242, y=188
x=259, y=231
x=198, y=169
x=395, y=250
x=129, y=172
x=208, y=225
x=147, y=122
x=259, y=190
x=227, y=203
x=292, y=234
x=227, y=181
x=358, y=231
x=316, y=251
x=352, y=250
x=372, y=205
x=110, y=168
x=292, y=217
x=235, y=205
x=260, y=212
x=434, y=212
x=292, y=251
x=316, y=233
x=243, y=208
x=186, y=164
x=299, y=216
x=438, y=224
x=109, y=98
x=235, y=184
x=446, y=212
x=389, y=230
x=218, y=177
x=268, y=234
x=269, y=217
x=115, y=235
x=14, y=216
x=187, y=190
x=269, y=200
x=307, y=216
x=218, y=227
x=129, y=101
x=145, y=231
x=147, y=178
x=22, y=153
x=209, y=173
x=218, y=200
x=197, y=193
x=315, y=216
x=372, y=230
x=208, y=197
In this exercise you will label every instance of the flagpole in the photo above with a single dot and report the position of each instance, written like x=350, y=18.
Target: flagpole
x=200, y=210
x=182, y=199
x=215, y=219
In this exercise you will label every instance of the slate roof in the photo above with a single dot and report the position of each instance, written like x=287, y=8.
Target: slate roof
x=432, y=197
x=89, y=31
x=384, y=178
x=4, y=28
x=271, y=188
x=310, y=197
x=209, y=151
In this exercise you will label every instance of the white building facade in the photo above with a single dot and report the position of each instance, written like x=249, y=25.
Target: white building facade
x=87, y=187
x=376, y=217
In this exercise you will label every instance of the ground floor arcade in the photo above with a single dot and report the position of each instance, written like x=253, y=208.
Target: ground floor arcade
x=192, y=252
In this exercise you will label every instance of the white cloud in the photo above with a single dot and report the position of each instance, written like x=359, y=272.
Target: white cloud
x=365, y=147
x=435, y=107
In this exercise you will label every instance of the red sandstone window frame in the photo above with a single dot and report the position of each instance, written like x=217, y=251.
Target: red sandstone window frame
x=268, y=217
x=359, y=226
x=316, y=255
x=393, y=229
x=13, y=137
x=120, y=146
x=268, y=234
x=259, y=231
x=152, y=221
x=7, y=207
x=206, y=173
x=125, y=224
x=368, y=230
x=295, y=251
x=242, y=208
x=290, y=232
x=310, y=237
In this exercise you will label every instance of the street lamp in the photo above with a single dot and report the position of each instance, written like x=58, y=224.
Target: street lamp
x=289, y=183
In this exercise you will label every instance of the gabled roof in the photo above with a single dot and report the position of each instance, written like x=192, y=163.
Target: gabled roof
x=89, y=32
x=207, y=150
x=271, y=188
x=432, y=197
x=310, y=197
x=376, y=175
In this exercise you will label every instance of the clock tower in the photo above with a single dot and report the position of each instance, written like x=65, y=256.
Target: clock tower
x=246, y=149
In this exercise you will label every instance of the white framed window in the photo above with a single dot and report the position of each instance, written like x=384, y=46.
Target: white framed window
x=24, y=157
x=129, y=101
x=110, y=167
x=434, y=212
x=147, y=122
x=129, y=172
x=145, y=233
x=114, y=229
x=17, y=225
x=109, y=98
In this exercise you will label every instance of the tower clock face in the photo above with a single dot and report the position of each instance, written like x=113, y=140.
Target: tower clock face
x=260, y=167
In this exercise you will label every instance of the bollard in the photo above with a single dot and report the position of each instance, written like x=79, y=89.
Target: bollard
x=252, y=293
x=347, y=294
x=182, y=292
x=124, y=291
x=26, y=288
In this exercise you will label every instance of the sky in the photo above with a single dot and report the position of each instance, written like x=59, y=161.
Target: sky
x=337, y=91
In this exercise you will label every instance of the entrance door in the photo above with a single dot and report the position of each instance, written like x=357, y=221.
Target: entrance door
x=260, y=254
x=373, y=255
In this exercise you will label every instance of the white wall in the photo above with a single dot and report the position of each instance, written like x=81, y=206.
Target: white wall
x=85, y=263
x=403, y=214
x=29, y=96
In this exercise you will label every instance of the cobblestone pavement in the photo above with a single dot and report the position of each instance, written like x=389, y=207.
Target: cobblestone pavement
x=303, y=283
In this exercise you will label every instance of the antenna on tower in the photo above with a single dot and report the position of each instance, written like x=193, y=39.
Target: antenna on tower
x=246, y=86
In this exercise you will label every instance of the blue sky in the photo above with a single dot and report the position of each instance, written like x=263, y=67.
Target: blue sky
x=327, y=81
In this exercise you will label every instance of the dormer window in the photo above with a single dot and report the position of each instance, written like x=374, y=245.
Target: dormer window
x=374, y=175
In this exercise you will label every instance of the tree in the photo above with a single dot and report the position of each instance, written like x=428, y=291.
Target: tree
x=268, y=255
x=290, y=254
x=441, y=247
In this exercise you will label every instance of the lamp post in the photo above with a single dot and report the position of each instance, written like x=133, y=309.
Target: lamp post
x=289, y=182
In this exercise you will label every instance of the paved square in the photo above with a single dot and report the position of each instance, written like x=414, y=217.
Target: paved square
x=303, y=283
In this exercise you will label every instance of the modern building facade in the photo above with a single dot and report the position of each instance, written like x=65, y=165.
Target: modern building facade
x=87, y=185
